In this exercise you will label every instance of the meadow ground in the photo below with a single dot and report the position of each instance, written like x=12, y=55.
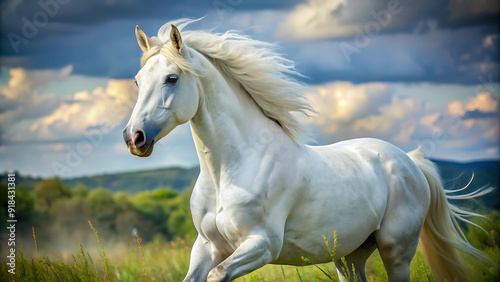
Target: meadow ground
x=161, y=260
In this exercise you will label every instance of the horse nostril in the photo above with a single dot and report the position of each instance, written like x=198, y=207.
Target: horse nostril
x=139, y=139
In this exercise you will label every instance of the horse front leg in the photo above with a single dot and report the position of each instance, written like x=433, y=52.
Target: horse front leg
x=203, y=259
x=255, y=252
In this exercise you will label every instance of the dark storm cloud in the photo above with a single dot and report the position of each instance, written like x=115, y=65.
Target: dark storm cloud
x=465, y=56
x=97, y=37
x=343, y=19
x=97, y=11
x=433, y=41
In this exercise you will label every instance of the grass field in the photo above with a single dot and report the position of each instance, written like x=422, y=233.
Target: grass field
x=161, y=260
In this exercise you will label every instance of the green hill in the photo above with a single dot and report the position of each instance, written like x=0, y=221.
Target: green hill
x=175, y=178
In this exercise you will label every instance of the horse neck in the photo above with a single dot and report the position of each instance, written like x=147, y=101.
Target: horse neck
x=226, y=124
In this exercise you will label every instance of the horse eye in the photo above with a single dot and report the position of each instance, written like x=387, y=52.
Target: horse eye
x=135, y=81
x=171, y=79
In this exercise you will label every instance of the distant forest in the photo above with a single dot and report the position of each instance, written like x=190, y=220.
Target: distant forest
x=175, y=178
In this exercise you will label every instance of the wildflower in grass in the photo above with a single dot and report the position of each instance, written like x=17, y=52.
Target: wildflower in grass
x=36, y=241
x=103, y=254
x=139, y=242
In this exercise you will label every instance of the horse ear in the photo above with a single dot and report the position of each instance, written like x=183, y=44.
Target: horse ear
x=175, y=37
x=144, y=42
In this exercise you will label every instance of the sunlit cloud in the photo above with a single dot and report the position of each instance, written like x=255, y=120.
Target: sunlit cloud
x=24, y=85
x=22, y=101
x=28, y=114
x=375, y=110
x=103, y=107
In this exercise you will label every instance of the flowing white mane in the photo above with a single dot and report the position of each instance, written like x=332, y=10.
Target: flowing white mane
x=263, y=73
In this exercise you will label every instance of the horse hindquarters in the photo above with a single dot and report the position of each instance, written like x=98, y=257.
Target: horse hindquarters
x=398, y=236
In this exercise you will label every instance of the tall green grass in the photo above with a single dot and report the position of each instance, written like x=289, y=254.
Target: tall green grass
x=161, y=260
x=346, y=269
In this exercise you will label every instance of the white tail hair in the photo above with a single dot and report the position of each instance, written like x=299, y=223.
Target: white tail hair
x=442, y=238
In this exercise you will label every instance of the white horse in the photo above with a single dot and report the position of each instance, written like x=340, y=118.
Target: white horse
x=262, y=196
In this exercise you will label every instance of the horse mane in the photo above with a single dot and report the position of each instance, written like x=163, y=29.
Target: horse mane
x=263, y=73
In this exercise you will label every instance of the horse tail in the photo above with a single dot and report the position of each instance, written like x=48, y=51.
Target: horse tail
x=441, y=238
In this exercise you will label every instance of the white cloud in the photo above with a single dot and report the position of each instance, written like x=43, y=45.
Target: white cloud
x=22, y=100
x=22, y=93
x=341, y=18
x=484, y=102
x=314, y=19
x=28, y=113
x=348, y=111
x=24, y=85
x=375, y=110
x=340, y=103
x=103, y=107
x=401, y=114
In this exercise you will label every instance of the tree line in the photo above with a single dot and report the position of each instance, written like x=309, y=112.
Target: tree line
x=60, y=215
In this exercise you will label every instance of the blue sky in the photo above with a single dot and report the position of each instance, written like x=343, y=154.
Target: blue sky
x=409, y=72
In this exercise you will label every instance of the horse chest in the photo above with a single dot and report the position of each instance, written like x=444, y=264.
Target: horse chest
x=225, y=215
x=218, y=229
x=226, y=225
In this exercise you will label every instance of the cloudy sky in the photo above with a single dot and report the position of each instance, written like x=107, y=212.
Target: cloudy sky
x=409, y=72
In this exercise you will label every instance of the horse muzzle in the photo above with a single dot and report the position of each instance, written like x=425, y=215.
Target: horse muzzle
x=138, y=143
